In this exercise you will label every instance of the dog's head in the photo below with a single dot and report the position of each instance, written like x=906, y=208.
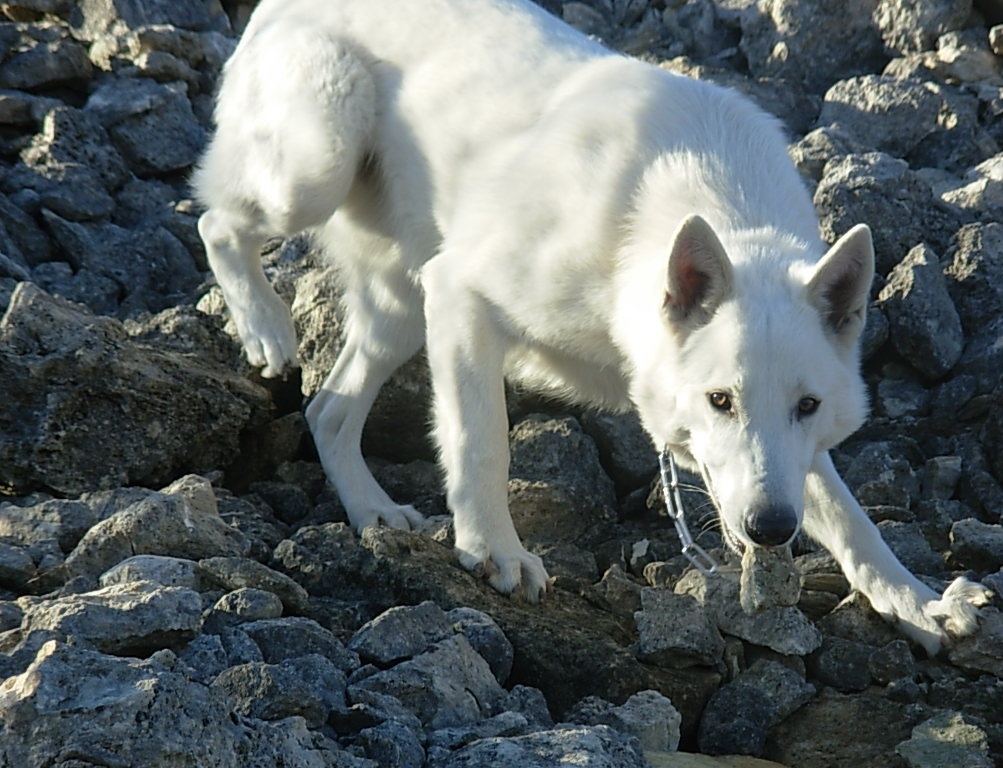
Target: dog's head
x=759, y=368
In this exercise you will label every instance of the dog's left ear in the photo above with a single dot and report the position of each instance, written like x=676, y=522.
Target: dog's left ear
x=699, y=276
x=841, y=284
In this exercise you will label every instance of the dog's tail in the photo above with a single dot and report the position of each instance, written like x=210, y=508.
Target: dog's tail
x=295, y=116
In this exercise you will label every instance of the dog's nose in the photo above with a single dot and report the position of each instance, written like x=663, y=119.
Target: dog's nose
x=772, y=526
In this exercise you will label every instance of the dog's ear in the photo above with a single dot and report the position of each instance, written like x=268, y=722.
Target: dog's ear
x=699, y=275
x=841, y=284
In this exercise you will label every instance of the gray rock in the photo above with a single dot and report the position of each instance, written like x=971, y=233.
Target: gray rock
x=783, y=629
x=675, y=630
x=891, y=662
x=647, y=715
x=785, y=688
x=17, y=568
x=842, y=664
x=769, y=579
x=912, y=26
x=134, y=618
x=69, y=375
x=558, y=488
x=308, y=687
x=597, y=746
x=47, y=65
x=401, y=633
x=735, y=721
x=625, y=449
x=485, y=637
x=166, y=571
x=92, y=18
x=977, y=545
x=182, y=521
x=925, y=327
x=449, y=684
x=291, y=637
x=249, y=604
x=975, y=274
x=876, y=187
x=941, y=475
x=946, y=740
x=792, y=41
x=883, y=113
x=911, y=547
x=982, y=651
x=239, y=572
x=392, y=744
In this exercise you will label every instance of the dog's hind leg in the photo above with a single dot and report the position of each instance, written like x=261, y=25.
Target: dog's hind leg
x=835, y=519
x=294, y=117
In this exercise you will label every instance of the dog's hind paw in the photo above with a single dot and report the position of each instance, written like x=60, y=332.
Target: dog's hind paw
x=512, y=572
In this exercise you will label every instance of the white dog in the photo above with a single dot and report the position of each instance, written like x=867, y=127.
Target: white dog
x=528, y=203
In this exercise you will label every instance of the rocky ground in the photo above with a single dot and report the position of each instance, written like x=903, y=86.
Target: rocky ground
x=178, y=587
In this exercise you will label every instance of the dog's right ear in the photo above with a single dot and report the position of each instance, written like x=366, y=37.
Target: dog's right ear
x=699, y=275
x=841, y=283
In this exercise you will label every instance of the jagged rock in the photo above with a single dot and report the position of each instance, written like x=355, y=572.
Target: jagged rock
x=925, y=327
x=910, y=27
x=132, y=618
x=291, y=637
x=241, y=572
x=647, y=715
x=676, y=630
x=946, y=740
x=166, y=571
x=180, y=521
x=792, y=40
x=485, y=637
x=597, y=745
x=735, y=721
x=401, y=633
x=70, y=376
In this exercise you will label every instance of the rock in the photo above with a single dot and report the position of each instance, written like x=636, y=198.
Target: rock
x=134, y=618
x=647, y=715
x=913, y=27
x=392, y=743
x=890, y=115
x=877, y=187
x=165, y=571
x=292, y=637
x=783, y=629
x=625, y=449
x=790, y=40
x=769, y=579
x=785, y=688
x=946, y=740
x=735, y=721
x=184, y=416
x=401, y=633
x=590, y=746
x=485, y=637
x=974, y=274
x=941, y=476
x=17, y=569
x=842, y=664
x=925, y=327
x=180, y=521
x=47, y=65
x=977, y=545
x=92, y=18
x=448, y=684
x=891, y=662
x=248, y=604
x=547, y=500
x=676, y=630
x=307, y=686
x=240, y=572
x=982, y=651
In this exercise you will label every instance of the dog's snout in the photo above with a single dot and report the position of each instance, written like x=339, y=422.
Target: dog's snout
x=772, y=526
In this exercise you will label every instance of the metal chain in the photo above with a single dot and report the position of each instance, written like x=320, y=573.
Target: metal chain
x=697, y=555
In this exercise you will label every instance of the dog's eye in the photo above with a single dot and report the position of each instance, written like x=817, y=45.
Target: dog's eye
x=808, y=405
x=720, y=401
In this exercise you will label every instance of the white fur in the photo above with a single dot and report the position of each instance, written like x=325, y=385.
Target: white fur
x=534, y=205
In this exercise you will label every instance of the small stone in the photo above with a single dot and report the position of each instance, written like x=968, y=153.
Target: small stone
x=786, y=689
x=240, y=572
x=891, y=662
x=982, y=651
x=977, y=545
x=842, y=664
x=250, y=604
x=166, y=571
x=735, y=721
x=486, y=637
x=769, y=579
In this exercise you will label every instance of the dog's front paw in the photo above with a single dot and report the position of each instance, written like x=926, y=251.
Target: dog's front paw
x=510, y=570
x=401, y=516
x=268, y=335
x=954, y=615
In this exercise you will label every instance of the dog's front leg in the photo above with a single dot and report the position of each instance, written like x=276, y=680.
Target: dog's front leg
x=466, y=351
x=835, y=519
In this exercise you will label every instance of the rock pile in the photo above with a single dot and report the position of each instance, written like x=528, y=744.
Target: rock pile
x=178, y=586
